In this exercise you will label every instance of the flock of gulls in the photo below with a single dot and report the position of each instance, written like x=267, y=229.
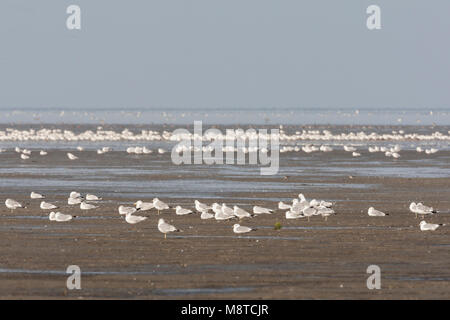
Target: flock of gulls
x=290, y=142
x=299, y=208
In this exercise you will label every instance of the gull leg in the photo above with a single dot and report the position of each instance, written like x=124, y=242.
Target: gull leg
x=165, y=235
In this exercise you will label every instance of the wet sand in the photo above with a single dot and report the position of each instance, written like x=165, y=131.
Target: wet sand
x=304, y=260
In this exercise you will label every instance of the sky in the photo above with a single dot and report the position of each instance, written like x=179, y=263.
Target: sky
x=224, y=54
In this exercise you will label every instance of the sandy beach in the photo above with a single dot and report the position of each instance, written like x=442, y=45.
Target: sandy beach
x=303, y=260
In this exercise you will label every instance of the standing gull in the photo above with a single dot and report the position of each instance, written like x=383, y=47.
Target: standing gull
x=159, y=205
x=165, y=228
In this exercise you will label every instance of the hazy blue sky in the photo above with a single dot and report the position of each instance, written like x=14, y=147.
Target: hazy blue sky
x=227, y=53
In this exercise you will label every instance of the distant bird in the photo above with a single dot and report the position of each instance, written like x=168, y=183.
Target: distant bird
x=160, y=205
x=47, y=206
x=237, y=228
x=241, y=213
x=201, y=207
x=420, y=209
x=72, y=156
x=13, y=204
x=165, y=228
x=92, y=197
x=60, y=217
x=43, y=153
x=261, y=210
x=24, y=156
x=283, y=206
x=326, y=204
x=325, y=212
x=74, y=195
x=294, y=215
x=87, y=206
x=428, y=226
x=376, y=213
x=126, y=210
x=134, y=219
x=181, y=211
x=35, y=195
x=309, y=212
x=206, y=215
x=73, y=201
x=227, y=210
x=144, y=206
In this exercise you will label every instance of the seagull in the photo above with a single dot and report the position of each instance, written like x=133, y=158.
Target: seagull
x=35, y=195
x=74, y=195
x=127, y=210
x=159, y=205
x=73, y=201
x=428, y=226
x=219, y=214
x=294, y=215
x=92, y=197
x=60, y=217
x=181, y=211
x=144, y=206
x=421, y=209
x=309, y=211
x=47, y=206
x=326, y=204
x=201, y=207
x=206, y=215
x=375, y=213
x=325, y=212
x=43, y=153
x=51, y=216
x=241, y=213
x=237, y=228
x=13, y=204
x=24, y=156
x=165, y=228
x=261, y=210
x=87, y=206
x=71, y=156
x=134, y=219
x=227, y=210
x=283, y=206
